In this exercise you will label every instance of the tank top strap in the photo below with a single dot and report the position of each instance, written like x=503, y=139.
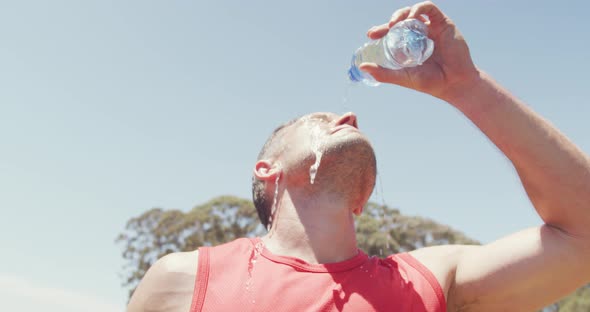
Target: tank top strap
x=201, y=280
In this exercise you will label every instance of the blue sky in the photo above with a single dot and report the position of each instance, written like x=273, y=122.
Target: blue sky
x=110, y=108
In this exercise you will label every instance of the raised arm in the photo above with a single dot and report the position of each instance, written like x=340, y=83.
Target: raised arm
x=535, y=267
x=555, y=172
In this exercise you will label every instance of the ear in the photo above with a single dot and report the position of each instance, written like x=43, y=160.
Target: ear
x=265, y=170
x=358, y=211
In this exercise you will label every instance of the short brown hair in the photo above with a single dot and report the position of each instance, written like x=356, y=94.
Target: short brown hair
x=259, y=196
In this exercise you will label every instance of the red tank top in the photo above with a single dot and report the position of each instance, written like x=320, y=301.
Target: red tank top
x=243, y=276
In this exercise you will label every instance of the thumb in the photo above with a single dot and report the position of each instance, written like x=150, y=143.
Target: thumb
x=381, y=74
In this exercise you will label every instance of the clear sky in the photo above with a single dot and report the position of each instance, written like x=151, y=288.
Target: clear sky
x=110, y=108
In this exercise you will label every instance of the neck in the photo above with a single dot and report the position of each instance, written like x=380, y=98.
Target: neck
x=316, y=230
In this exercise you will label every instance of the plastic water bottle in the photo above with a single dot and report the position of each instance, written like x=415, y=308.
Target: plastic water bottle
x=406, y=45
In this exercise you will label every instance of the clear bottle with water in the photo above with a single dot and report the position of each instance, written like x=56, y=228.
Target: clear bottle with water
x=406, y=45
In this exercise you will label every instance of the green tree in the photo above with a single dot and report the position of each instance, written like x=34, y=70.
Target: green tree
x=577, y=302
x=381, y=230
x=158, y=232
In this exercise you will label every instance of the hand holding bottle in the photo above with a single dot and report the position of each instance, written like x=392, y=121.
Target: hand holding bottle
x=447, y=72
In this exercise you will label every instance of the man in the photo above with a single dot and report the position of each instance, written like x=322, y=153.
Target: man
x=309, y=260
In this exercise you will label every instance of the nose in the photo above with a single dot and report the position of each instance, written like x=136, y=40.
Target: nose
x=348, y=119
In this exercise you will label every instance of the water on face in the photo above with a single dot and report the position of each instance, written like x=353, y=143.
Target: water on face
x=316, y=133
x=273, y=209
x=313, y=170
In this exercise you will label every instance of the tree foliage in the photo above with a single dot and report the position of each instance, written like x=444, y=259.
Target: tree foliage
x=158, y=232
x=381, y=230
x=576, y=302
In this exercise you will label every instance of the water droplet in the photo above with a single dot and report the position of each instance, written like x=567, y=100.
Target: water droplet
x=273, y=209
x=252, y=262
x=345, y=98
x=313, y=170
x=381, y=189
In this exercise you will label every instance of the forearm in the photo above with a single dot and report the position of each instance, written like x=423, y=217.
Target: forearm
x=555, y=173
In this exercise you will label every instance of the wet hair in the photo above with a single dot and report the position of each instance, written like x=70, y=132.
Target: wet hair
x=261, y=200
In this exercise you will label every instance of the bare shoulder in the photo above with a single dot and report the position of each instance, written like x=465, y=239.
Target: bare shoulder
x=442, y=262
x=180, y=262
x=168, y=284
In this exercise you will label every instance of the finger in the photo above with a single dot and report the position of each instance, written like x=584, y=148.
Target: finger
x=377, y=32
x=398, y=77
x=399, y=15
x=423, y=18
x=434, y=14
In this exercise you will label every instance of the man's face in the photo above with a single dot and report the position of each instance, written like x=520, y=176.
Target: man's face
x=334, y=138
x=316, y=131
